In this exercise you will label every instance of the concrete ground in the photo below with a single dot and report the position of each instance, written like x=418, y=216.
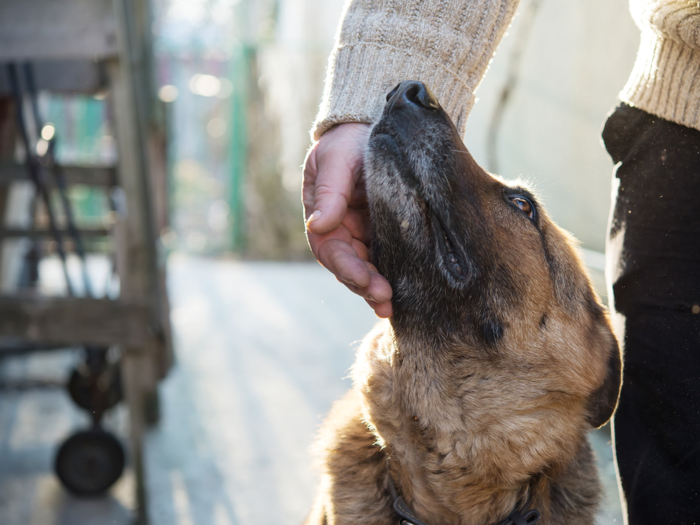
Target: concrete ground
x=262, y=351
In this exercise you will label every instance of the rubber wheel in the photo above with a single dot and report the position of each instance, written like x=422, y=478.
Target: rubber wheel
x=90, y=462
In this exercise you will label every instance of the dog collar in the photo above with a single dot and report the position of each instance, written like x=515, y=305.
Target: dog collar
x=401, y=508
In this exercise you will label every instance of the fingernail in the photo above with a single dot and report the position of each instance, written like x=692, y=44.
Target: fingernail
x=314, y=216
x=371, y=298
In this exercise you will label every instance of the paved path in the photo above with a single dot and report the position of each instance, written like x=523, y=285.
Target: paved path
x=262, y=350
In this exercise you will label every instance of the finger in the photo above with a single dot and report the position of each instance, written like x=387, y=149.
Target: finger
x=309, y=181
x=341, y=259
x=361, y=249
x=379, y=288
x=383, y=310
x=330, y=206
x=358, y=224
x=339, y=158
x=378, y=291
x=359, y=193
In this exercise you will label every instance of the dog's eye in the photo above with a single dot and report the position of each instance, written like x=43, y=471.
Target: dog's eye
x=525, y=205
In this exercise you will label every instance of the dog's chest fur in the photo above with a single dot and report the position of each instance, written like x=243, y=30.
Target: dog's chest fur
x=455, y=444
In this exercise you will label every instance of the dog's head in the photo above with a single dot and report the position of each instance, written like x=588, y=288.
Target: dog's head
x=475, y=261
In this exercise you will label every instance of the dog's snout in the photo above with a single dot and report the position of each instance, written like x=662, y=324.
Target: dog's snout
x=412, y=92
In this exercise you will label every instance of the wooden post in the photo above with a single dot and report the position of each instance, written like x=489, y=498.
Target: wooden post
x=7, y=149
x=139, y=275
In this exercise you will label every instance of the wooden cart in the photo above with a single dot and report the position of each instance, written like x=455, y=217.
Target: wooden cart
x=91, y=46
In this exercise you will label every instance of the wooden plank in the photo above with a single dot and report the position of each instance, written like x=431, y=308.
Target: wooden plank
x=139, y=274
x=63, y=76
x=75, y=321
x=89, y=175
x=14, y=233
x=137, y=377
x=7, y=149
x=49, y=30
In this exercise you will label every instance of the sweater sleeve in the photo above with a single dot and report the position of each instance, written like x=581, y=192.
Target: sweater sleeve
x=447, y=44
x=665, y=80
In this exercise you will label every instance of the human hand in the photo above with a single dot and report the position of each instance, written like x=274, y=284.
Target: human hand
x=337, y=216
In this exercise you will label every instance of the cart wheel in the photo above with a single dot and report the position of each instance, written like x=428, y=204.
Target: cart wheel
x=95, y=391
x=90, y=462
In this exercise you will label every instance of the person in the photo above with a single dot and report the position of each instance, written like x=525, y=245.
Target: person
x=653, y=248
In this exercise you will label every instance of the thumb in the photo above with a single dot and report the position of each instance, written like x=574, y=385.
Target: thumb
x=338, y=161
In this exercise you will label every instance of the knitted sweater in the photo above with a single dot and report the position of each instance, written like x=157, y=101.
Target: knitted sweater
x=448, y=44
x=665, y=80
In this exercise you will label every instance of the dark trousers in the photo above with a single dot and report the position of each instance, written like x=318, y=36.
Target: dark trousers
x=654, y=251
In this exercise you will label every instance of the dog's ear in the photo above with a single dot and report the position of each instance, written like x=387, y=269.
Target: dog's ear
x=603, y=401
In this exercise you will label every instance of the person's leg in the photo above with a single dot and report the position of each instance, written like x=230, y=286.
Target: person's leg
x=654, y=267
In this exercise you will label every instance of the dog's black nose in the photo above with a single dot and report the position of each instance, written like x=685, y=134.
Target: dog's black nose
x=412, y=92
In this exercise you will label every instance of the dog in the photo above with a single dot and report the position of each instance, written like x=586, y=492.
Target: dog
x=472, y=404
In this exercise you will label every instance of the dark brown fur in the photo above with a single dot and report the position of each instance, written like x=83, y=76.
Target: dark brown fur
x=478, y=393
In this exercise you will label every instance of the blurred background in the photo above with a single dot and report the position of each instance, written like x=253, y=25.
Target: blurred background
x=262, y=336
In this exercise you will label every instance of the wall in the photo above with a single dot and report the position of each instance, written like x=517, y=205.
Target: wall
x=576, y=60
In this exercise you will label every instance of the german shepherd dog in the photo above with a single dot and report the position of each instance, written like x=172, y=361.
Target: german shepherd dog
x=472, y=404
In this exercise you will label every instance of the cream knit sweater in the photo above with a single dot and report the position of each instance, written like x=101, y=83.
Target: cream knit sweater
x=448, y=44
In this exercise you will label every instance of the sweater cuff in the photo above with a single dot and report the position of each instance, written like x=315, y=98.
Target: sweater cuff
x=361, y=75
x=665, y=80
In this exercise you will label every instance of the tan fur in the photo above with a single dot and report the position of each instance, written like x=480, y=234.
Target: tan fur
x=517, y=427
x=470, y=430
